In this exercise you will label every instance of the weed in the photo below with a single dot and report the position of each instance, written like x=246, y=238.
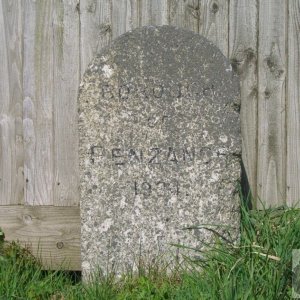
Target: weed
x=259, y=267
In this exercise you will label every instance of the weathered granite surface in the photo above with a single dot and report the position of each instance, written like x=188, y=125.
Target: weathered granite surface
x=159, y=147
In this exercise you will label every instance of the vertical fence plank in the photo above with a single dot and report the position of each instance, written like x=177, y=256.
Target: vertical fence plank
x=213, y=22
x=293, y=105
x=28, y=104
x=48, y=116
x=95, y=29
x=120, y=17
x=184, y=14
x=38, y=87
x=153, y=12
x=243, y=55
x=124, y=16
x=11, y=127
x=271, y=102
x=66, y=81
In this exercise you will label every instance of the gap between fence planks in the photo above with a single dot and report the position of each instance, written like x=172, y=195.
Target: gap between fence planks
x=243, y=32
x=293, y=106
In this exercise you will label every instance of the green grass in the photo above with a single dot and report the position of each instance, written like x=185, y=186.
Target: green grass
x=260, y=267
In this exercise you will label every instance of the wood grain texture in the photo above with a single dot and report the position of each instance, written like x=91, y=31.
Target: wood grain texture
x=271, y=169
x=184, y=14
x=47, y=45
x=293, y=105
x=213, y=22
x=51, y=233
x=124, y=16
x=243, y=32
x=129, y=14
x=11, y=93
x=38, y=85
x=66, y=79
x=95, y=29
x=153, y=12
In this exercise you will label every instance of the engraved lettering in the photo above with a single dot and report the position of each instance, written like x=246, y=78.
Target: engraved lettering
x=164, y=119
x=124, y=92
x=207, y=89
x=194, y=88
x=154, y=158
x=188, y=155
x=179, y=90
x=117, y=156
x=175, y=91
x=154, y=155
x=107, y=92
x=174, y=187
x=152, y=121
x=161, y=188
x=141, y=156
x=158, y=91
x=135, y=188
x=133, y=156
x=94, y=153
x=142, y=189
x=183, y=90
x=142, y=92
x=146, y=188
x=172, y=155
x=155, y=121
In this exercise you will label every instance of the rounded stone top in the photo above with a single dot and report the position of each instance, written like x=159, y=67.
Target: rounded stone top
x=164, y=69
x=159, y=145
x=166, y=52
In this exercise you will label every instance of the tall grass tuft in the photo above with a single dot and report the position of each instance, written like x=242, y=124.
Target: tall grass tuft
x=259, y=267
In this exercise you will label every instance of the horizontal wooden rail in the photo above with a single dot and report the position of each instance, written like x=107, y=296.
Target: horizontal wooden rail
x=51, y=233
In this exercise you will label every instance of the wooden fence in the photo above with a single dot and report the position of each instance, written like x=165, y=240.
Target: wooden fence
x=45, y=46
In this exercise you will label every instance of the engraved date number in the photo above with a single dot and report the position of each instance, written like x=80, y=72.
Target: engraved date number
x=159, y=188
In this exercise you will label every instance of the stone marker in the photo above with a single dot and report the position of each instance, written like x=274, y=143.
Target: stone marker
x=159, y=147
